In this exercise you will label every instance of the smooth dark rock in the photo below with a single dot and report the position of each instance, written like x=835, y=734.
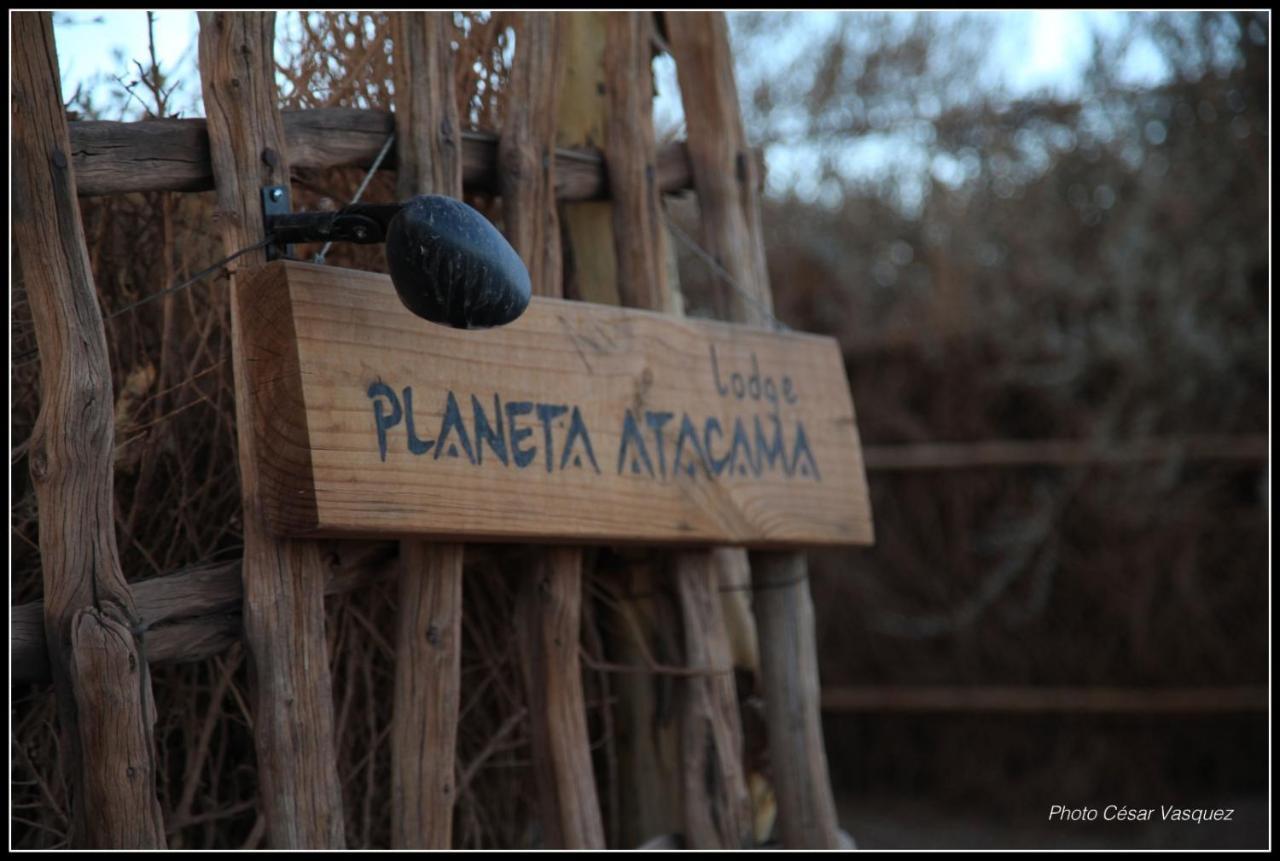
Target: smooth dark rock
x=451, y=266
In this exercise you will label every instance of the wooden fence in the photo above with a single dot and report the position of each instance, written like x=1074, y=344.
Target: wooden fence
x=577, y=167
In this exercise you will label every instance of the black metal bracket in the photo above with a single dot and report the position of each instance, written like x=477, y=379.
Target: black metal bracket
x=361, y=223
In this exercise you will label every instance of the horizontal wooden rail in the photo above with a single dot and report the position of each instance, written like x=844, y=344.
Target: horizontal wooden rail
x=193, y=614
x=173, y=154
x=935, y=456
x=1046, y=700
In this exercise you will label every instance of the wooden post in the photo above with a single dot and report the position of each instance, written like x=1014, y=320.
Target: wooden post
x=283, y=579
x=789, y=665
x=424, y=723
x=714, y=796
x=549, y=603
x=726, y=182
x=102, y=682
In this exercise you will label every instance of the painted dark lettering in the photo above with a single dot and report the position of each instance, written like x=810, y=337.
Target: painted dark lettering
x=688, y=439
x=546, y=414
x=655, y=421
x=717, y=465
x=788, y=394
x=753, y=382
x=771, y=451
x=452, y=423
x=485, y=433
x=416, y=446
x=808, y=467
x=521, y=457
x=633, y=443
x=578, y=431
x=742, y=458
x=715, y=373
x=384, y=421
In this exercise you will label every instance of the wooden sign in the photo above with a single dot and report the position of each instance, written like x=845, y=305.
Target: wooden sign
x=578, y=423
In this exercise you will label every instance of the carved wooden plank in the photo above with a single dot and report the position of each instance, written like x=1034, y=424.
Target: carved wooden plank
x=89, y=614
x=789, y=665
x=727, y=184
x=173, y=154
x=283, y=604
x=616, y=424
x=424, y=725
x=549, y=604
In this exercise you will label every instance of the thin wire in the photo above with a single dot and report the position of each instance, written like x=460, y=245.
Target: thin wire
x=373, y=168
x=21, y=360
x=722, y=272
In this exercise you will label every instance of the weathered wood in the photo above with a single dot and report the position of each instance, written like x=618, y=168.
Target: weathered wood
x=714, y=799
x=1038, y=700
x=725, y=175
x=590, y=267
x=354, y=443
x=548, y=608
x=89, y=613
x=194, y=614
x=115, y=733
x=424, y=727
x=173, y=155
x=527, y=167
x=548, y=614
x=424, y=723
x=717, y=809
x=789, y=667
x=300, y=791
x=727, y=183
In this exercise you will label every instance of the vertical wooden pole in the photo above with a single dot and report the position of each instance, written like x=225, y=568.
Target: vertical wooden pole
x=789, y=665
x=726, y=183
x=424, y=723
x=101, y=679
x=714, y=798
x=283, y=579
x=549, y=605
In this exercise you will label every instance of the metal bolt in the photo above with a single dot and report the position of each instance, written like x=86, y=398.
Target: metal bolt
x=277, y=193
x=361, y=233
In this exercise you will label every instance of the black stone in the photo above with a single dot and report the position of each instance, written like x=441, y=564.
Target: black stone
x=451, y=266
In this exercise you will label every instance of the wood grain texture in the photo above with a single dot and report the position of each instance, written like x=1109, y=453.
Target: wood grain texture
x=424, y=722
x=194, y=614
x=728, y=188
x=173, y=154
x=590, y=266
x=717, y=810
x=548, y=606
x=548, y=617
x=714, y=801
x=300, y=792
x=113, y=802
x=789, y=666
x=353, y=337
x=424, y=726
x=725, y=175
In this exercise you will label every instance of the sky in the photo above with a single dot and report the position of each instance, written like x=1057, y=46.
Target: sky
x=1033, y=51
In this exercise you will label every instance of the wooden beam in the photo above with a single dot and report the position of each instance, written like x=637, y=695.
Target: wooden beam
x=1037, y=700
x=577, y=423
x=1249, y=448
x=424, y=723
x=194, y=614
x=106, y=713
x=727, y=183
x=300, y=791
x=173, y=155
x=549, y=601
